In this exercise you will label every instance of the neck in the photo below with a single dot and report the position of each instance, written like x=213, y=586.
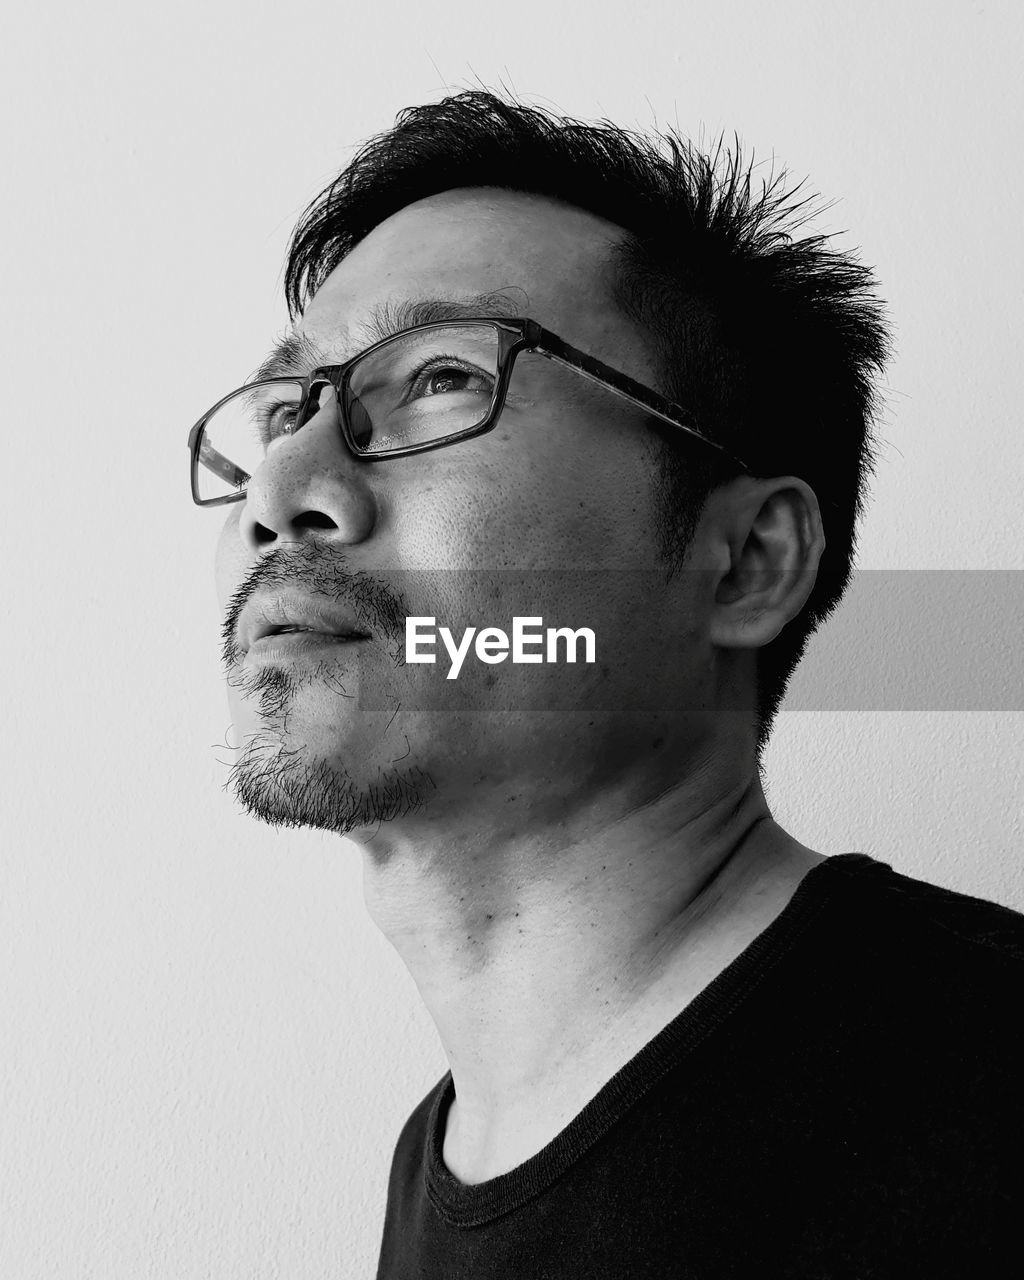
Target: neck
x=549, y=959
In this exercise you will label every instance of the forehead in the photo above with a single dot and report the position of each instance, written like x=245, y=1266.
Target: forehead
x=541, y=258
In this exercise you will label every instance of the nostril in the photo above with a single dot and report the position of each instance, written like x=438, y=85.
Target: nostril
x=314, y=520
x=263, y=535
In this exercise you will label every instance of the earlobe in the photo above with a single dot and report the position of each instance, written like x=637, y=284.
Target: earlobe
x=776, y=541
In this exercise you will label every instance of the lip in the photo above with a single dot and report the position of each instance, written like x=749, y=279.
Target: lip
x=292, y=646
x=291, y=624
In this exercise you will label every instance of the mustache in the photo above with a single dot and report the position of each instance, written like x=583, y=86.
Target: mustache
x=379, y=607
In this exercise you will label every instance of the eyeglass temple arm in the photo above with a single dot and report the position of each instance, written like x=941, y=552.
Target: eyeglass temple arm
x=627, y=389
x=221, y=466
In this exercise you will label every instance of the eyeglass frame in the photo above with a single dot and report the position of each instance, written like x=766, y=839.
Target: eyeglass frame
x=515, y=335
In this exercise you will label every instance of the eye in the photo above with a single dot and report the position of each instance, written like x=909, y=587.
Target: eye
x=441, y=375
x=275, y=419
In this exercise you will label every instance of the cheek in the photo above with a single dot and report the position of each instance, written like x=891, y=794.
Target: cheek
x=476, y=508
x=555, y=507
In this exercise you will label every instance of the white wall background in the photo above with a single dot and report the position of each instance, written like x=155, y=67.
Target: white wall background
x=207, y=1051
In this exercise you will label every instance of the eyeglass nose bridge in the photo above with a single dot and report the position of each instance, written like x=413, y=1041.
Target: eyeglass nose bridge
x=351, y=421
x=312, y=402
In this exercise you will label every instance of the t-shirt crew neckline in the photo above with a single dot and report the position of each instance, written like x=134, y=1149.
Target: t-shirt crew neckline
x=471, y=1206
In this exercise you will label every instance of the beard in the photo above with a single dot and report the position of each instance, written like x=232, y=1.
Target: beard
x=276, y=777
x=281, y=786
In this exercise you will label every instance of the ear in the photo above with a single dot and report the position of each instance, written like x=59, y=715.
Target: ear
x=775, y=540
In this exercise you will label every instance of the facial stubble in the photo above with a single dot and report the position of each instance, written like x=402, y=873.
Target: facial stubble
x=278, y=777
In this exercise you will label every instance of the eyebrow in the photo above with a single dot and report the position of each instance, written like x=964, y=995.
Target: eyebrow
x=295, y=354
x=288, y=355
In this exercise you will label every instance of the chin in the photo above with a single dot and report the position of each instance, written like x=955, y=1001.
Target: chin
x=286, y=784
x=311, y=757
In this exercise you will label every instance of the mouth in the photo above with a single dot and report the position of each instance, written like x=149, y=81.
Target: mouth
x=287, y=626
x=296, y=629
x=289, y=643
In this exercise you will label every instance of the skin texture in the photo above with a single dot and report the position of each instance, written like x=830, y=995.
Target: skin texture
x=575, y=851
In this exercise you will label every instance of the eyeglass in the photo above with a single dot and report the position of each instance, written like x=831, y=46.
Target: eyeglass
x=427, y=387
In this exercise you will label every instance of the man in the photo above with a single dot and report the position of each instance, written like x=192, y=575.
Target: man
x=550, y=371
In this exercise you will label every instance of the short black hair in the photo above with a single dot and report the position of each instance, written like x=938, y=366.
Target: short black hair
x=773, y=340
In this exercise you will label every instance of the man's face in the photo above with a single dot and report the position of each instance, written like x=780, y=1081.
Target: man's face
x=552, y=514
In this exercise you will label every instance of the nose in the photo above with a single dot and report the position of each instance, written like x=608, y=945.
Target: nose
x=309, y=484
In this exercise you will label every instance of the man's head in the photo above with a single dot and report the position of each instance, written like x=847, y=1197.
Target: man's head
x=668, y=268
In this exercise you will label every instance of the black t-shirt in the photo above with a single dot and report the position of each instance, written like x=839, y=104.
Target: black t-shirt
x=844, y=1101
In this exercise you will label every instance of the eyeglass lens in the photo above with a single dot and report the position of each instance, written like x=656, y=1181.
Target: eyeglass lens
x=415, y=389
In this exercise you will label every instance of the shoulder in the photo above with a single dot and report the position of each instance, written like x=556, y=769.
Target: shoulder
x=922, y=953
x=901, y=1004
x=926, y=915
